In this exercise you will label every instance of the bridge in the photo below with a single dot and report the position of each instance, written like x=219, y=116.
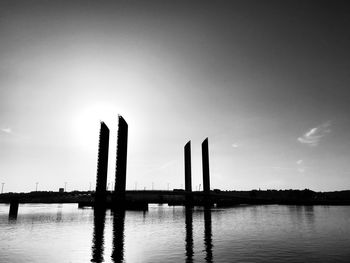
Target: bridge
x=121, y=198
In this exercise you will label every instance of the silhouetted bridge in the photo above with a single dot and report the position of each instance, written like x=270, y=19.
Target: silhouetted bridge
x=140, y=199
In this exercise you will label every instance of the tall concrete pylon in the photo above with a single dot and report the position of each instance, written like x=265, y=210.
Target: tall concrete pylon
x=188, y=173
x=102, y=163
x=121, y=162
x=205, y=166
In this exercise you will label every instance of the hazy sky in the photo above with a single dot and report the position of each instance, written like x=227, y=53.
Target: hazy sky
x=267, y=81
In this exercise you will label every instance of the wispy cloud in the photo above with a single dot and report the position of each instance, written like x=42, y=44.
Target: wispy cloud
x=314, y=135
x=6, y=130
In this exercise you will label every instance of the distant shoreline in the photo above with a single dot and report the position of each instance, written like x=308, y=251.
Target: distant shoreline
x=177, y=197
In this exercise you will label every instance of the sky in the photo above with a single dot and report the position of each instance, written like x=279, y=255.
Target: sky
x=266, y=81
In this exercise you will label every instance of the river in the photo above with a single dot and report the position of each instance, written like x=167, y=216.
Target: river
x=261, y=233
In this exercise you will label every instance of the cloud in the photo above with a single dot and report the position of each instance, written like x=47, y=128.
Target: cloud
x=314, y=135
x=6, y=130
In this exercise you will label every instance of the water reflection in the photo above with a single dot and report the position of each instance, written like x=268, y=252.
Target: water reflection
x=189, y=234
x=98, y=236
x=302, y=214
x=13, y=209
x=12, y=218
x=59, y=213
x=118, y=236
x=118, y=251
x=310, y=214
x=272, y=233
x=208, y=243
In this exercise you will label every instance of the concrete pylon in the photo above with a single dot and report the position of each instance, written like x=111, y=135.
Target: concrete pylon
x=14, y=203
x=102, y=164
x=205, y=165
x=188, y=173
x=121, y=162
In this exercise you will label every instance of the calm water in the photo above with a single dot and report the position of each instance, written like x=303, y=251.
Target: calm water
x=271, y=233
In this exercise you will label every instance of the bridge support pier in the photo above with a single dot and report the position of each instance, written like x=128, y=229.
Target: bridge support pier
x=188, y=174
x=13, y=208
x=121, y=164
x=102, y=166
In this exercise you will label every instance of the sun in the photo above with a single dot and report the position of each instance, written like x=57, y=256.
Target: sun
x=87, y=123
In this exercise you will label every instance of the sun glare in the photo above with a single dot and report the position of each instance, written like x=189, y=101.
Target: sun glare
x=87, y=123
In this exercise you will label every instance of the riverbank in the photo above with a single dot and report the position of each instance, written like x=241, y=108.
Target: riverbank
x=178, y=196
